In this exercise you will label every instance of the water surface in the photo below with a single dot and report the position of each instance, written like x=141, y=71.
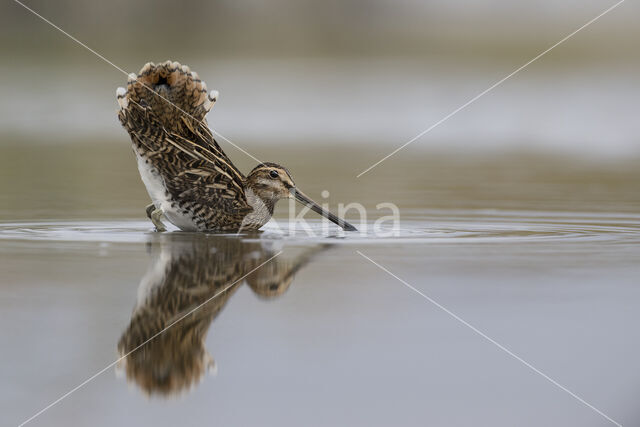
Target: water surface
x=542, y=256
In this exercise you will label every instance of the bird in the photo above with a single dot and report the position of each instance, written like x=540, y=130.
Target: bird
x=190, y=180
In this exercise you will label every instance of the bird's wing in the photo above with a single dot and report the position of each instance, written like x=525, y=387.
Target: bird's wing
x=208, y=175
x=193, y=172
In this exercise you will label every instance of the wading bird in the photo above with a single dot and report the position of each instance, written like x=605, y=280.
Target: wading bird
x=190, y=180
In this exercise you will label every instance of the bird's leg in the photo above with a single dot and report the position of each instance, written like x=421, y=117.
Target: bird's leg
x=155, y=215
x=149, y=210
x=156, y=218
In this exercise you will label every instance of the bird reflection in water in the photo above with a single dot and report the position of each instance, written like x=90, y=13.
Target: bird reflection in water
x=186, y=271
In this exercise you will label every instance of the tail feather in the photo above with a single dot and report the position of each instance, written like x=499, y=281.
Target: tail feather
x=168, y=93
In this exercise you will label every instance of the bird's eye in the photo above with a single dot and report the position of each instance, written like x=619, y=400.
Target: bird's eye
x=273, y=174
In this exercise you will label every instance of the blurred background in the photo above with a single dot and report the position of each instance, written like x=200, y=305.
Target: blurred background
x=341, y=83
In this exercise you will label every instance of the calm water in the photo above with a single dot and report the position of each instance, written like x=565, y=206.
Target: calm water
x=540, y=254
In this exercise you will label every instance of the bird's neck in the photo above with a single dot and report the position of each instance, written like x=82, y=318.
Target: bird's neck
x=262, y=209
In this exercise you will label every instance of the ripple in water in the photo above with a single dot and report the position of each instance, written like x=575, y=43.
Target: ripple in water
x=449, y=226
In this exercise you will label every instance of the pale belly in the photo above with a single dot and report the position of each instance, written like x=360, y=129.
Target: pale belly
x=160, y=197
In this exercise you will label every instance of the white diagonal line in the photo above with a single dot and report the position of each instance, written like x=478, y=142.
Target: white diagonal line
x=484, y=92
x=92, y=377
x=491, y=340
x=125, y=73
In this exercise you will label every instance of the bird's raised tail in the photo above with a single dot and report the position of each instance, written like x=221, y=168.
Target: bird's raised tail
x=168, y=93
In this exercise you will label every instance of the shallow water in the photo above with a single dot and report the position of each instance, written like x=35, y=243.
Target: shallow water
x=436, y=226
x=319, y=329
x=541, y=255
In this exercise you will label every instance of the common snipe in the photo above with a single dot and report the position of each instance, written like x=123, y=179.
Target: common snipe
x=190, y=180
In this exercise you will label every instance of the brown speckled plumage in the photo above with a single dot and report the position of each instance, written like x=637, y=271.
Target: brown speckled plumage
x=181, y=148
x=190, y=179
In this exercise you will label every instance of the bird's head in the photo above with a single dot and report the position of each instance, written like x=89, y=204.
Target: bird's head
x=272, y=182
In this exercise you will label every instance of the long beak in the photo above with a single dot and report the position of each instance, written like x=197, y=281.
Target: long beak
x=302, y=198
